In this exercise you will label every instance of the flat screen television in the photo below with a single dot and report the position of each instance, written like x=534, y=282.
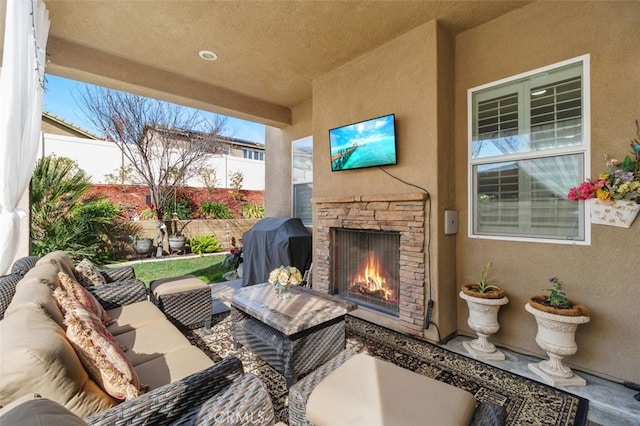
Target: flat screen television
x=368, y=143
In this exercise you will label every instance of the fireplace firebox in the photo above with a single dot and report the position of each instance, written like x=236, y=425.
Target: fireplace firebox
x=366, y=268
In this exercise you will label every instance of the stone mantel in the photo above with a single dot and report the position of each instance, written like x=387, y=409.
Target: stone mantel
x=421, y=196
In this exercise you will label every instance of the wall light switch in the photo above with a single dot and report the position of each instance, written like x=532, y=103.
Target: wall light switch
x=450, y=222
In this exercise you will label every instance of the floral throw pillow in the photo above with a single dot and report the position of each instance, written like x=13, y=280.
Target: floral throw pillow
x=103, y=358
x=67, y=303
x=82, y=295
x=89, y=274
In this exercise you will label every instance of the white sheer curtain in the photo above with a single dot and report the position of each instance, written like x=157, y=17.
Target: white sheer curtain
x=558, y=174
x=21, y=88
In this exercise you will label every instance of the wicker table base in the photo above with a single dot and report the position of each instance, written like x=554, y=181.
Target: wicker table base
x=294, y=336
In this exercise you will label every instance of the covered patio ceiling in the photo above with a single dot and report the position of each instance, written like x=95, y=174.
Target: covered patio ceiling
x=269, y=52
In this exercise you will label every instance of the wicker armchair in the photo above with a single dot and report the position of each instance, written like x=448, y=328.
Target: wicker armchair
x=119, y=293
x=220, y=395
x=221, y=392
x=122, y=287
x=21, y=266
x=122, y=273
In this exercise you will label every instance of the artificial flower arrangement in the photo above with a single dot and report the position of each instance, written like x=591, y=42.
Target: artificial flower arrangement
x=285, y=276
x=620, y=182
x=234, y=258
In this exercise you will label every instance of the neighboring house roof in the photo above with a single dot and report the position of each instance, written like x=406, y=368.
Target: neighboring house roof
x=59, y=125
x=233, y=142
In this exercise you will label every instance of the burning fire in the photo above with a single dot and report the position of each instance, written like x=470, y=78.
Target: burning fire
x=370, y=281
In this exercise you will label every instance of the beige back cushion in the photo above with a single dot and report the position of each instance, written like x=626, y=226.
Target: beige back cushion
x=61, y=259
x=47, y=272
x=34, y=291
x=35, y=357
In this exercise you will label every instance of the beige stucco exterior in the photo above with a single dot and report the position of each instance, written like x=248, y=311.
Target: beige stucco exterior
x=423, y=77
x=604, y=276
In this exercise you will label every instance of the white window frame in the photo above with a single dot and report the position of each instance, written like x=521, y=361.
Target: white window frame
x=584, y=149
x=304, y=180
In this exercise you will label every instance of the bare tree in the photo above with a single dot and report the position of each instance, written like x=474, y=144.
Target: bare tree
x=165, y=144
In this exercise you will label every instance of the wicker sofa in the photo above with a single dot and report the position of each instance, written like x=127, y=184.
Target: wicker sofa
x=184, y=385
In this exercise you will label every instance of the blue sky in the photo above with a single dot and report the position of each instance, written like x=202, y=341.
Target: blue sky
x=59, y=99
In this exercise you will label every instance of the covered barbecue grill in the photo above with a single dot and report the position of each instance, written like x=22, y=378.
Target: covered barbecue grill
x=272, y=242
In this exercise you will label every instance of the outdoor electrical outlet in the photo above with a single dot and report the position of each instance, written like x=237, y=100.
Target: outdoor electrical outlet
x=450, y=222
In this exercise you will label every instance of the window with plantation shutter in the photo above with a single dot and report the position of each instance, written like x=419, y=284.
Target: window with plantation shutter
x=527, y=148
x=302, y=179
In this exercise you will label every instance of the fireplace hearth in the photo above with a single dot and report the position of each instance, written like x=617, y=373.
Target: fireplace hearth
x=385, y=279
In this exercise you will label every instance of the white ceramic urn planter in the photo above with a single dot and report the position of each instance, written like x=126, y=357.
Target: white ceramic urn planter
x=483, y=319
x=556, y=336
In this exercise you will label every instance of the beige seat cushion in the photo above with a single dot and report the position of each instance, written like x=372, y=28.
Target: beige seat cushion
x=151, y=341
x=173, y=366
x=179, y=284
x=35, y=357
x=130, y=317
x=368, y=391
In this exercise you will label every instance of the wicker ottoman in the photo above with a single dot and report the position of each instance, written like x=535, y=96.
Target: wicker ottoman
x=359, y=389
x=185, y=300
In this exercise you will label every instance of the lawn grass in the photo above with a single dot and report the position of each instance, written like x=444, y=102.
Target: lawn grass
x=208, y=268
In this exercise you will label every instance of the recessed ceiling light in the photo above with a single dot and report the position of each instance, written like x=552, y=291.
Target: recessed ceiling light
x=207, y=55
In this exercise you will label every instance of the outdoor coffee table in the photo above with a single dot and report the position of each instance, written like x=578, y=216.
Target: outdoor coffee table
x=295, y=335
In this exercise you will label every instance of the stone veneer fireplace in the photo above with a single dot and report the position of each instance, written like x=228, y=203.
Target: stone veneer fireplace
x=402, y=214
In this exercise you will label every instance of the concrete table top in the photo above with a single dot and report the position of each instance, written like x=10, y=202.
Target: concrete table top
x=289, y=316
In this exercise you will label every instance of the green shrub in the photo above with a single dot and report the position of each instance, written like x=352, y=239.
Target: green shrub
x=204, y=244
x=64, y=217
x=182, y=210
x=214, y=210
x=253, y=211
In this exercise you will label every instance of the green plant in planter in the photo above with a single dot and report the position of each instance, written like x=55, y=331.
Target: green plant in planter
x=484, y=283
x=484, y=286
x=557, y=297
x=557, y=302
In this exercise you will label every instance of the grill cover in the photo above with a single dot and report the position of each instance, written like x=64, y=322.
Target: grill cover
x=272, y=242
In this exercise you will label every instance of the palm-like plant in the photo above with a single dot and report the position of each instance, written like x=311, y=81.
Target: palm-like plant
x=484, y=284
x=63, y=216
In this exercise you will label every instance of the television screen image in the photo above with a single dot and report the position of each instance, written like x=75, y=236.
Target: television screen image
x=369, y=143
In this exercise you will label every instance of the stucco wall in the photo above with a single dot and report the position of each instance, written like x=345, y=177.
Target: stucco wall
x=399, y=77
x=604, y=276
